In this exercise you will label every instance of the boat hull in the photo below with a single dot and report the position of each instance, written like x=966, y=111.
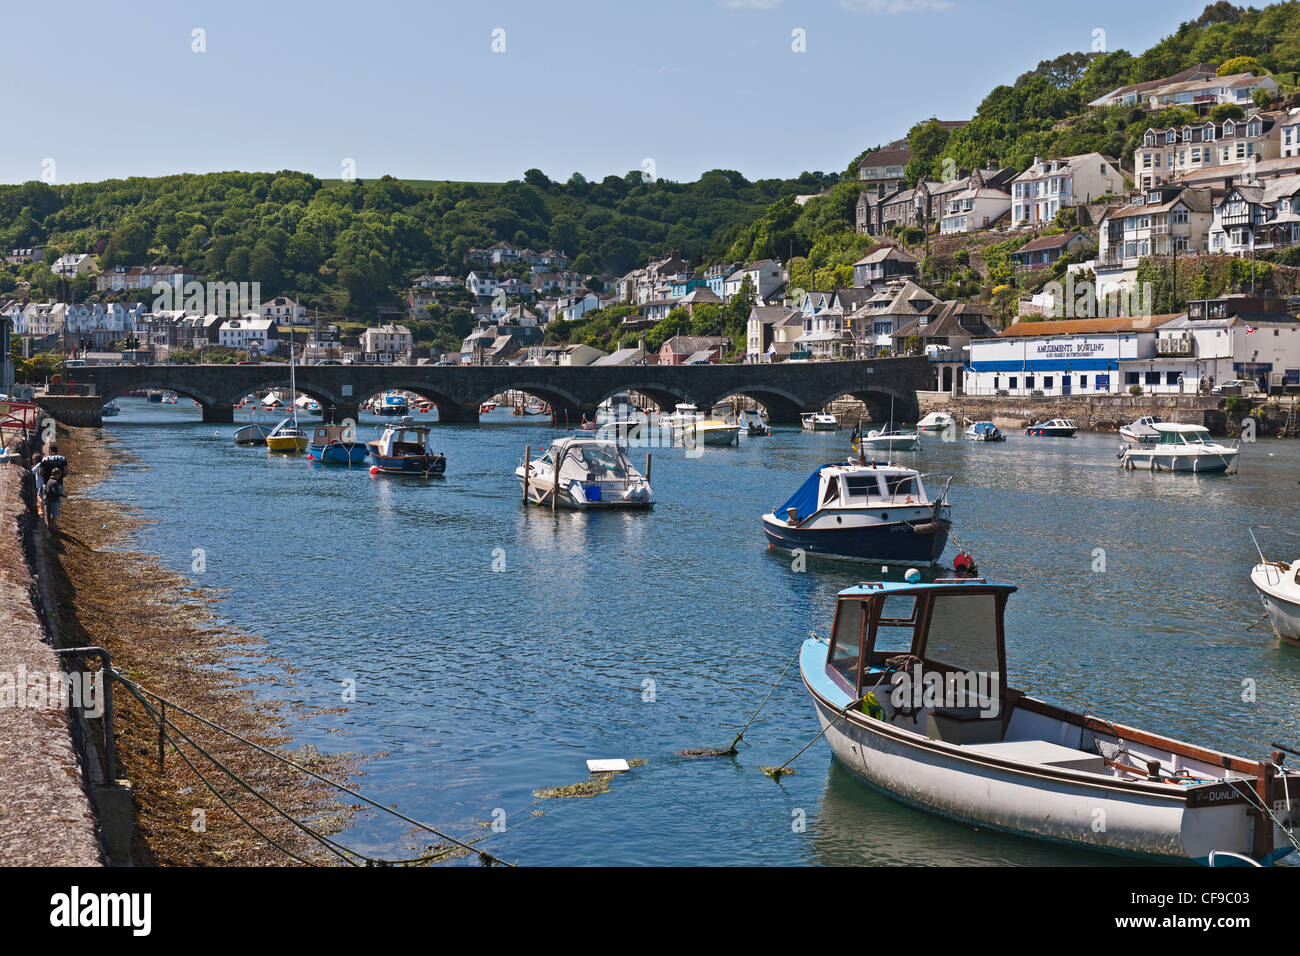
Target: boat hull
x=896, y=541
x=1148, y=459
x=1037, y=431
x=287, y=444
x=1283, y=614
x=888, y=444
x=252, y=435
x=409, y=464
x=1056, y=806
x=339, y=453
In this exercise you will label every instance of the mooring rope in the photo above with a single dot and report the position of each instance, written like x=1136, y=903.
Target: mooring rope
x=337, y=848
x=776, y=772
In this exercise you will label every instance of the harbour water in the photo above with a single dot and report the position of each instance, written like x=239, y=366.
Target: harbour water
x=637, y=635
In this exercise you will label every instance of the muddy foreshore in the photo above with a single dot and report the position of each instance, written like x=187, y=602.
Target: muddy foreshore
x=163, y=635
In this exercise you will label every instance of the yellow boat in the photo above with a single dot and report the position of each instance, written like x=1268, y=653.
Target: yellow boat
x=287, y=437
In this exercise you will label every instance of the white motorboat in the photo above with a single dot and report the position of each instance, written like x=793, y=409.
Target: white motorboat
x=984, y=431
x=1056, y=428
x=751, y=420
x=819, y=422
x=594, y=474
x=936, y=422
x=1181, y=448
x=887, y=438
x=1278, y=584
x=940, y=729
x=1142, y=430
x=863, y=511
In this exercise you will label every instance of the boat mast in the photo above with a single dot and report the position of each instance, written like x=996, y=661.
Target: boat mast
x=293, y=382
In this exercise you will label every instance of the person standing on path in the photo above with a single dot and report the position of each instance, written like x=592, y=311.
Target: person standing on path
x=40, y=482
x=53, y=499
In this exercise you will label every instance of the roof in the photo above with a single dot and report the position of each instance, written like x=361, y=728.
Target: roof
x=948, y=322
x=1136, y=323
x=1058, y=241
x=771, y=314
x=1196, y=200
x=884, y=252
x=1178, y=77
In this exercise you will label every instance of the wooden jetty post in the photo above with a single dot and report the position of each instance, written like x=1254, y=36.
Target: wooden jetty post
x=647, y=467
x=528, y=459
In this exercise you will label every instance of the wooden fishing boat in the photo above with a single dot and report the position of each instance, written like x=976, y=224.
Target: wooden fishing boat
x=336, y=445
x=939, y=728
x=593, y=474
x=861, y=511
x=404, y=450
x=252, y=434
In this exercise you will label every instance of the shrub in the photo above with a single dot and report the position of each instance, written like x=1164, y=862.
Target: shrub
x=1135, y=390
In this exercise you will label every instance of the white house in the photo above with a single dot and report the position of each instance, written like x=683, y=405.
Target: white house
x=249, y=331
x=481, y=283
x=767, y=275
x=388, y=338
x=73, y=264
x=285, y=311
x=1050, y=185
x=974, y=208
x=1216, y=340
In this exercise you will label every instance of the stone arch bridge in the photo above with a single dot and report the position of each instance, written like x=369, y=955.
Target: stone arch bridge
x=785, y=389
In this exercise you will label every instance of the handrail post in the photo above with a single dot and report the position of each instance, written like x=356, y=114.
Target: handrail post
x=107, y=672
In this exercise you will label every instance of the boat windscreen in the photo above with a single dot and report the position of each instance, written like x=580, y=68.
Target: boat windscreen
x=963, y=632
x=804, y=501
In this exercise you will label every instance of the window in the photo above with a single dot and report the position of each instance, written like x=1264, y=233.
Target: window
x=1047, y=381
x=1131, y=378
x=1012, y=382
x=846, y=644
x=1083, y=381
x=1171, y=378
x=1029, y=381
x=1153, y=378
x=860, y=486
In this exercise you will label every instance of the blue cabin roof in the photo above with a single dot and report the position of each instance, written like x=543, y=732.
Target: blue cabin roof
x=867, y=589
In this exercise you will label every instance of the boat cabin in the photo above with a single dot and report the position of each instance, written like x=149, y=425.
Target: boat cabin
x=327, y=434
x=590, y=460
x=405, y=441
x=1172, y=433
x=945, y=638
x=855, y=486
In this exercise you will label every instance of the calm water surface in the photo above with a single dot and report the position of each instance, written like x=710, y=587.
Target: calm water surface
x=638, y=635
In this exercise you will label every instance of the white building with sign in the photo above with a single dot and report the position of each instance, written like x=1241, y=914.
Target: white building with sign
x=1068, y=357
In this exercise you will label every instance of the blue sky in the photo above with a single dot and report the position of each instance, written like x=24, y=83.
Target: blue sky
x=415, y=89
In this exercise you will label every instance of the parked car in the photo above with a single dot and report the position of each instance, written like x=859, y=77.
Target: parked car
x=1235, y=386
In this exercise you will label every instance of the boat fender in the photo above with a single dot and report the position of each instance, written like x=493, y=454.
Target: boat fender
x=926, y=527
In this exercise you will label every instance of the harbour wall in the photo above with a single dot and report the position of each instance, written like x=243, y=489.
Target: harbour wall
x=46, y=816
x=76, y=411
x=1103, y=413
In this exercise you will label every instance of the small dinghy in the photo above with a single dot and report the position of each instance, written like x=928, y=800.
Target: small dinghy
x=594, y=474
x=863, y=512
x=939, y=729
x=936, y=422
x=252, y=434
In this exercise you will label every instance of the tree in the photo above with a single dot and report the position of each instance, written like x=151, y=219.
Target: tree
x=926, y=141
x=1227, y=111
x=1239, y=64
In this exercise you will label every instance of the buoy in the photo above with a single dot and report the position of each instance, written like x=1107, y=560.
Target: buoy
x=912, y=576
x=374, y=469
x=311, y=457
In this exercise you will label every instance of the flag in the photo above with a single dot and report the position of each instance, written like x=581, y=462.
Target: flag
x=1249, y=330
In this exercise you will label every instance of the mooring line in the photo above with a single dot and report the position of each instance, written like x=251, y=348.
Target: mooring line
x=337, y=848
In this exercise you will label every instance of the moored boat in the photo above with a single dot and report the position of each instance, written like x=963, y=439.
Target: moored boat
x=936, y=422
x=985, y=431
x=751, y=420
x=863, y=512
x=939, y=728
x=252, y=434
x=819, y=422
x=1278, y=584
x=287, y=438
x=1141, y=430
x=404, y=450
x=889, y=437
x=1181, y=448
x=390, y=403
x=593, y=474
x=110, y=409
x=1056, y=428
x=336, y=445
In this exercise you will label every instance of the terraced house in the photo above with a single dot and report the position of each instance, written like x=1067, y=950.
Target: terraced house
x=1169, y=154
x=1257, y=216
x=1155, y=222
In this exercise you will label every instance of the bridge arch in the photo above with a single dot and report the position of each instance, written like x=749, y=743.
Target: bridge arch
x=562, y=401
x=450, y=409
x=881, y=401
x=325, y=397
x=783, y=407
x=161, y=383
x=666, y=397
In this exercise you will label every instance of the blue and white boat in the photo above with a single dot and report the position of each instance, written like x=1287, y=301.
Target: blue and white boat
x=110, y=409
x=985, y=431
x=336, y=445
x=404, y=450
x=391, y=403
x=911, y=689
x=863, y=512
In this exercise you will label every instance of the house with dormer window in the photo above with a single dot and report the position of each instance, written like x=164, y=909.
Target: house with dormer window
x=1170, y=154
